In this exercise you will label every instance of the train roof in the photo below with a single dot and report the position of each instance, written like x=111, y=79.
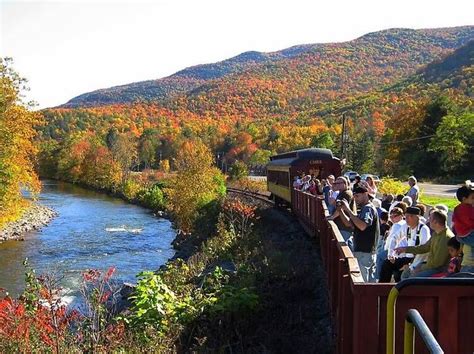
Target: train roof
x=304, y=154
x=292, y=157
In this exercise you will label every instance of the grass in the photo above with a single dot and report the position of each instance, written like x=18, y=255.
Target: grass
x=433, y=200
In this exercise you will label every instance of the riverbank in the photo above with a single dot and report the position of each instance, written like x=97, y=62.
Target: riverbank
x=33, y=219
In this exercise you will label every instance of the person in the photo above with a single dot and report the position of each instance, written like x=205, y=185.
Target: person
x=342, y=186
x=463, y=214
x=387, y=200
x=318, y=187
x=371, y=186
x=366, y=230
x=442, y=207
x=306, y=183
x=414, y=191
x=381, y=253
x=378, y=205
x=467, y=264
x=297, y=182
x=312, y=187
x=415, y=233
x=357, y=180
x=395, y=234
x=422, y=208
x=455, y=253
x=327, y=190
x=400, y=205
x=397, y=200
x=407, y=200
x=436, y=247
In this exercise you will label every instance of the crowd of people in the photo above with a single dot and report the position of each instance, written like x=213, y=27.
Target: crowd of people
x=394, y=237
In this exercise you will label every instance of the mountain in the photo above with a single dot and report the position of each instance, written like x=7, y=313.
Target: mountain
x=395, y=88
x=455, y=70
x=327, y=73
x=181, y=82
x=293, y=79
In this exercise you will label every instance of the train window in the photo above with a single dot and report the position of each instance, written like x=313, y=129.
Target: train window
x=278, y=177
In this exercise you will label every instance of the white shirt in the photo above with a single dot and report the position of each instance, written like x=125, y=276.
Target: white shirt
x=409, y=239
x=395, y=234
x=414, y=193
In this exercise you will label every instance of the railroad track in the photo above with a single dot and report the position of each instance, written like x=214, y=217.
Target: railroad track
x=258, y=196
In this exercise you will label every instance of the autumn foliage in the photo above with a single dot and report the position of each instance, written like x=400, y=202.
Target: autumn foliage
x=197, y=184
x=290, y=102
x=17, y=147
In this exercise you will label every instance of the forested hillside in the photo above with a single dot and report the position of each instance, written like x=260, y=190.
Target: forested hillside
x=183, y=81
x=400, y=89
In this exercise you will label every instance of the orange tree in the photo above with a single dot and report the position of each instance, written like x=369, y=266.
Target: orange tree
x=17, y=148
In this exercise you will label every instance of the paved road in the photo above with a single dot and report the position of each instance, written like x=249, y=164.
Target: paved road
x=438, y=190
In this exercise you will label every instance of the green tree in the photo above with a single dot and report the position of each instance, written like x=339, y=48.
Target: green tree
x=147, y=146
x=454, y=141
x=238, y=170
x=260, y=157
x=323, y=140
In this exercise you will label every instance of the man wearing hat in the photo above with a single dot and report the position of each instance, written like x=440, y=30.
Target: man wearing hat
x=366, y=230
x=415, y=234
x=436, y=248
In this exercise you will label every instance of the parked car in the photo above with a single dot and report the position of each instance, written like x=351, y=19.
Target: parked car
x=351, y=175
x=374, y=177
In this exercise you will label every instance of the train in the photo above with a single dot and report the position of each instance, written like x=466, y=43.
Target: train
x=373, y=317
x=283, y=168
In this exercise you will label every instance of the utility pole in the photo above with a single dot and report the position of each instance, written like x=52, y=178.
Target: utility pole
x=343, y=137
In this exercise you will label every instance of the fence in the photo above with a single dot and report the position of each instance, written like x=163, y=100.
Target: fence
x=359, y=309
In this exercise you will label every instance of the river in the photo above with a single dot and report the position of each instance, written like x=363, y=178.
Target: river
x=92, y=231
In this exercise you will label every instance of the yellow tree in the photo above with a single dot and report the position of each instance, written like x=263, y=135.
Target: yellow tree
x=196, y=184
x=17, y=148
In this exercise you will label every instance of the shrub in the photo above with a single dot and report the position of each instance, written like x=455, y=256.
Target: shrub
x=389, y=185
x=152, y=198
x=156, y=307
x=224, y=297
x=38, y=321
x=130, y=189
x=96, y=330
x=238, y=170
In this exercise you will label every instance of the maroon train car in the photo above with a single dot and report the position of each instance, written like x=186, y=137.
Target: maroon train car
x=282, y=169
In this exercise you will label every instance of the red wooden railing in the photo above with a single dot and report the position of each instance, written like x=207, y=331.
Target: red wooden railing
x=359, y=309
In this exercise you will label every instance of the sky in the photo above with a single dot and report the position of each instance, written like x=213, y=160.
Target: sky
x=66, y=48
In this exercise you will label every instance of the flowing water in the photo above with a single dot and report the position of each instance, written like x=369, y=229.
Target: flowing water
x=92, y=231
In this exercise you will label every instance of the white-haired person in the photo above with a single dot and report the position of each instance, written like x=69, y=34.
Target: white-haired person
x=414, y=191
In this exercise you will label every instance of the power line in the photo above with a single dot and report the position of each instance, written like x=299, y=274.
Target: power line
x=402, y=141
